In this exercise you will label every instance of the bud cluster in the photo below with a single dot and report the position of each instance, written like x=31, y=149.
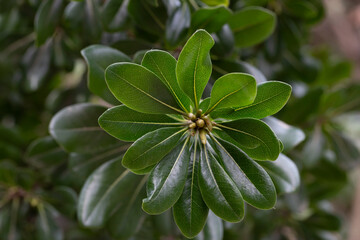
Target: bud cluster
x=199, y=123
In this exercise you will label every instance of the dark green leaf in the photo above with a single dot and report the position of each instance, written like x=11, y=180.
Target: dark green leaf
x=190, y=211
x=151, y=148
x=217, y=188
x=232, y=90
x=114, y=15
x=109, y=187
x=210, y=19
x=47, y=227
x=204, y=104
x=314, y=147
x=251, y=179
x=163, y=65
x=76, y=129
x=98, y=58
x=254, y=137
x=140, y=89
x=252, y=25
x=193, y=69
x=271, y=98
x=167, y=180
x=64, y=199
x=224, y=42
x=284, y=174
x=129, y=125
x=47, y=18
x=290, y=136
x=213, y=230
x=177, y=25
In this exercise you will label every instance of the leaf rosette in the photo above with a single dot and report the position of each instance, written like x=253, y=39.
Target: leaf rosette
x=200, y=154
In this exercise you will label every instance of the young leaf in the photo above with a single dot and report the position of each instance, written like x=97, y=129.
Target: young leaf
x=167, y=180
x=251, y=179
x=271, y=98
x=190, y=211
x=232, y=90
x=210, y=19
x=217, y=188
x=254, y=137
x=140, y=89
x=252, y=25
x=193, y=69
x=164, y=66
x=151, y=148
x=216, y=2
x=283, y=172
x=129, y=125
x=98, y=58
x=107, y=188
x=76, y=129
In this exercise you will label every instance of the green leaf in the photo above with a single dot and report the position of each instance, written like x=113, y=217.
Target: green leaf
x=216, y=2
x=98, y=58
x=217, y=188
x=114, y=15
x=109, y=187
x=314, y=147
x=232, y=90
x=64, y=199
x=164, y=66
x=251, y=179
x=76, y=129
x=283, y=173
x=290, y=136
x=46, y=225
x=151, y=148
x=213, y=230
x=128, y=125
x=167, y=180
x=271, y=98
x=47, y=18
x=210, y=19
x=177, y=25
x=224, y=42
x=252, y=25
x=129, y=217
x=254, y=137
x=193, y=69
x=140, y=89
x=45, y=153
x=190, y=211
x=204, y=104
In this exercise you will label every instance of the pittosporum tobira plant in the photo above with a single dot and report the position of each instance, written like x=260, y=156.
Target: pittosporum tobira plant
x=200, y=153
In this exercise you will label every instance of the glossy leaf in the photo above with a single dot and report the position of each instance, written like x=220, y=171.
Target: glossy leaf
x=193, y=69
x=98, y=58
x=129, y=125
x=139, y=89
x=64, y=199
x=251, y=179
x=109, y=187
x=271, y=98
x=151, y=148
x=210, y=19
x=167, y=180
x=213, y=230
x=46, y=19
x=284, y=174
x=76, y=129
x=217, y=188
x=289, y=135
x=252, y=25
x=232, y=90
x=163, y=65
x=114, y=14
x=177, y=25
x=190, y=211
x=254, y=137
x=46, y=226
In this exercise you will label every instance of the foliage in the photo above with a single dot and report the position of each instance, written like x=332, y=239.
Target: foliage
x=150, y=71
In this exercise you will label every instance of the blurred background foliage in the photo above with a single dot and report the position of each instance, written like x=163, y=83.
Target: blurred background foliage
x=42, y=71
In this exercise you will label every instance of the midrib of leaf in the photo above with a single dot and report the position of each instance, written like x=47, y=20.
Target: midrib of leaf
x=154, y=16
x=172, y=168
x=262, y=195
x=264, y=100
x=222, y=99
x=192, y=181
x=159, y=143
x=147, y=94
x=253, y=136
x=250, y=26
x=168, y=85
x=195, y=73
x=108, y=191
x=149, y=123
x=81, y=129
x=213, y=178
